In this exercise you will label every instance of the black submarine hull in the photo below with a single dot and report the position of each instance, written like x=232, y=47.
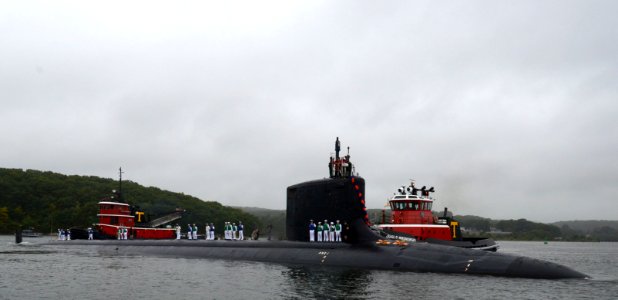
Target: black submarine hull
x=415, y=257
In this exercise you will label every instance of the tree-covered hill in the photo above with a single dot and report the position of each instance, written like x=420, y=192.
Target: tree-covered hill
x=604, y=230
x=273, y=217
x=46, y=201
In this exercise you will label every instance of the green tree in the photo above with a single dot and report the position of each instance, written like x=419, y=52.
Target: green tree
x=5, y=221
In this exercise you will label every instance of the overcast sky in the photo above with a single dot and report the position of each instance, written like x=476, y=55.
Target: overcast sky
x=508, y=108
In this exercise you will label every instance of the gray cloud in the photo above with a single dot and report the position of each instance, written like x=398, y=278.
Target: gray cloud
x=507, y=108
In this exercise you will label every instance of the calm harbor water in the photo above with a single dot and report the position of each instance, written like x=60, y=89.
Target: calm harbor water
x=34, y=271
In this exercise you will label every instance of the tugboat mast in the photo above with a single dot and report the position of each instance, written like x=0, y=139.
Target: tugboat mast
x=120, y=185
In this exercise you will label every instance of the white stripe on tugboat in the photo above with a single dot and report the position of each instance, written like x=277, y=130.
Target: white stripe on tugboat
x=113, y=215
x=412, y=225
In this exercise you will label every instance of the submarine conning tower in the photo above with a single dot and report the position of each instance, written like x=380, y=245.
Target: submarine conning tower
x=339, y=197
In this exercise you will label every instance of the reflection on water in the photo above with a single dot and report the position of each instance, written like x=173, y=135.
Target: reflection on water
x=316, y=282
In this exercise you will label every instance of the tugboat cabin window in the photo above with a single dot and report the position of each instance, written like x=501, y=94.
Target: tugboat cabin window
x=410, y=205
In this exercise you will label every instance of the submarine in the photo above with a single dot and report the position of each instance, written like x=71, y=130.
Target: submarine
x=340, y=197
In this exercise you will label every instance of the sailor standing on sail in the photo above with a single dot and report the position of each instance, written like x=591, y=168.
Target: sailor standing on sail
x=338, y=231
x=311, y=231
x=189, y=232
x=241, y=235
x=194, y=231
x=177, y=231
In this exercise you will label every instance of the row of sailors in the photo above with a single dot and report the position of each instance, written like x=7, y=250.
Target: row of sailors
x=122, y=233
x=325, y=232
x=231, y=231
x=64, y=234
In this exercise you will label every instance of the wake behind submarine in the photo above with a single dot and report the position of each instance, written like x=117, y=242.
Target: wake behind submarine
x=341, y=197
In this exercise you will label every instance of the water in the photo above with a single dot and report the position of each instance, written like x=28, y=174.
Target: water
x=34, y=271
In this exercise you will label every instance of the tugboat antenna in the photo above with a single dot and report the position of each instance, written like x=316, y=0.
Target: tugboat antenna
x=120, y=184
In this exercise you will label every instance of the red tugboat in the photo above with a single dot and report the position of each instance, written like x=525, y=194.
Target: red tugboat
x=412, y=219
x=115, y=217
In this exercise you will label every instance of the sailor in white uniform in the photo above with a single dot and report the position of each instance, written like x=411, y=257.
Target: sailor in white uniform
x=234, y=231
x=207, y=232
x=90, y=232
x=326, y=230
x=311, y=231
x=241, y=235
x=177, y=231
x=320, y=230
x=189, y=230
x=194, y=231
x=68, y=232
x=338, y=231
x=331, y=235
x=212, y=231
